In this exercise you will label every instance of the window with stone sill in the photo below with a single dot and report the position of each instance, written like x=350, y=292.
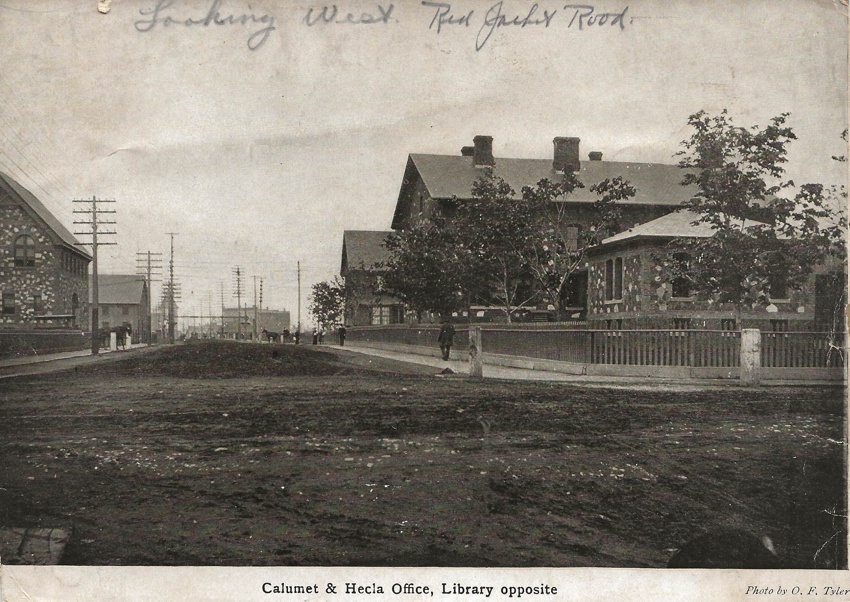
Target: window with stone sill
x=24, y=251
x=8, y=303
x=614, y=279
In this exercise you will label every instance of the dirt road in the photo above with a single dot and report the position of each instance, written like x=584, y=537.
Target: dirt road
x=229, y=454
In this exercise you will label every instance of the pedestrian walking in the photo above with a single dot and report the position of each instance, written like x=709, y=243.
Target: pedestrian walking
x=446, y=338
x=315, y=336
x=341, y=333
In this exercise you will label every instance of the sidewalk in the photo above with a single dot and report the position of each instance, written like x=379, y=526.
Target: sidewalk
x=35, y=364
x=461, y=367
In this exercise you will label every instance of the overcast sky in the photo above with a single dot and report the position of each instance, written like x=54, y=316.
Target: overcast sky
x=261, y=158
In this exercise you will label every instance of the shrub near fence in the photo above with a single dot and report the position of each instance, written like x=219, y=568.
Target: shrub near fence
x=16, y=344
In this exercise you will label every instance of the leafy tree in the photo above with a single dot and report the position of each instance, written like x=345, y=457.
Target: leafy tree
x=558, y=249
x=498, y=231
x=426, y=268
x=765, y=237
x=327, y=302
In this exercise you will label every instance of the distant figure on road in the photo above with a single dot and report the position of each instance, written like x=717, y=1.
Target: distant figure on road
x=321, y=335
x=446, y=338
x=341, y=332
x=297, y=335
x=315, y=336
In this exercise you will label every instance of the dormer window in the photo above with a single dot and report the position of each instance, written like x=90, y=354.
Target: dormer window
x=24, y=251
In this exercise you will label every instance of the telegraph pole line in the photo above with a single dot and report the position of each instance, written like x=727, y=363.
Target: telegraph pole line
x=256, y=314
x=148, y=258
x=94, y=223
x=261, y=303
x=298, y=335
x=172, y=318
x=221, y=286
x=237, y=273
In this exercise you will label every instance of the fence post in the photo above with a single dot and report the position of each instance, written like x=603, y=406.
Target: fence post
x=476, y=366
x=750, y=356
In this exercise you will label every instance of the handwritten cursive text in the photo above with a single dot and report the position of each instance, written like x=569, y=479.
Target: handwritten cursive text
x=331, y=15
x=586, y=16
x=495, y=19
x=154, y=16
x=443, y=15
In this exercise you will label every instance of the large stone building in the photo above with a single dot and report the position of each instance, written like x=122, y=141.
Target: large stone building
x=435, y=184
x=43, y=268
x=628, y=288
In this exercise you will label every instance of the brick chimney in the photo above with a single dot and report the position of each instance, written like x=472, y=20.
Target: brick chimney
x=467, y=151
x=595, y=156
x=482, y=154
x=566, y=154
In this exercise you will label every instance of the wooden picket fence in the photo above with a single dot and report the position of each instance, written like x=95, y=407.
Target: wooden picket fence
x=683, y=348
x=802, y=350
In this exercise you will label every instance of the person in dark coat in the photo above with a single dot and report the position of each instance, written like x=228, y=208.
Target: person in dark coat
x=341, y=332
x=446, y=338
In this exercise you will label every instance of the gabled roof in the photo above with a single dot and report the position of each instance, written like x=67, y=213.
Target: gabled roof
x=446, y=176
x=678, y=224
x=42, y=212
x=363, y=247
x=125, y=289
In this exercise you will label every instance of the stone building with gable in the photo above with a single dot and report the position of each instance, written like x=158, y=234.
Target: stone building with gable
x=435, y=184
x=628, y=289
x=43, y=268
x=362, y=251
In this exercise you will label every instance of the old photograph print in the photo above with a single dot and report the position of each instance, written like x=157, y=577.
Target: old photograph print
x=460, y=285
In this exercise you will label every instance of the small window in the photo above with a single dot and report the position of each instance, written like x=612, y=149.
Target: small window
x=681, y=284
x=609, y=280
x=37, y=305
x=618, y=278
x=8, y=303
x=729, y=324
x=125, y=310
x=571, y=237
x=778, y=286
x=104, y=311
x=381, y=315
x=24, y=251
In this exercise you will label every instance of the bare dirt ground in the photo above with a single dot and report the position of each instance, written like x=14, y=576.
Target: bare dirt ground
x=228, y=454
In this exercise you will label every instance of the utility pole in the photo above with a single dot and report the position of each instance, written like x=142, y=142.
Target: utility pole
x=172, y=293
x=94, y=223
x=237, y=273
x=298, y=336
x=141, y=259
x=221, y=286
x=256, y=315
x=261, y=304
x=209, y=308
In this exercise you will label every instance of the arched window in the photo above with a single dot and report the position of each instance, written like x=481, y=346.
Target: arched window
x=25, y=251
